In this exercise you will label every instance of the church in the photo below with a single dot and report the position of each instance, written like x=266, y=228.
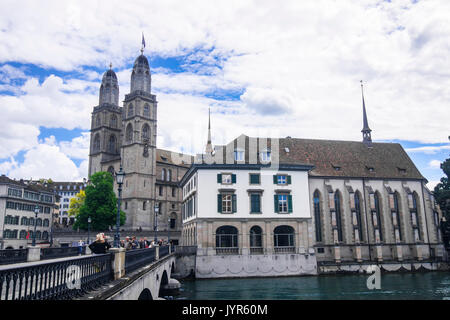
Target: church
x=289, y=203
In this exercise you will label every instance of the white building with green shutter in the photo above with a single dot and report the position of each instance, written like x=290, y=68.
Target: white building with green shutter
x=247, y=214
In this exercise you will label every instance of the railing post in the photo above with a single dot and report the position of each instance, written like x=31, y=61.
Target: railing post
x=33, y=253
x=118, y=262
x=157, y=253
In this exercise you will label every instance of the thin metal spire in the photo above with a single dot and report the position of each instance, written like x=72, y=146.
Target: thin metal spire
x=367, y=138
x=208, y=148
x=143, y=43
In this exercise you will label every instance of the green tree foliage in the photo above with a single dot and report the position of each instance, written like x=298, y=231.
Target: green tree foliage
x=76, y=203
x=442, y=196
x=100, y=204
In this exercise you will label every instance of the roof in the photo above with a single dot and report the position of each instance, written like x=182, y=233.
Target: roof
x=174, y=158
x=33, y=186
x=141, y=61
x=334, y=158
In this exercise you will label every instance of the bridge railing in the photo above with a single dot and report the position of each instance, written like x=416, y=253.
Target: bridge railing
x=61, y=252
x=163, y=251
x=64, y=279
x=134, y=259
x=9, y=256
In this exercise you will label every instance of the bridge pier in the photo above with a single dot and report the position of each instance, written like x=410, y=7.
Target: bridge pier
x=118, y=262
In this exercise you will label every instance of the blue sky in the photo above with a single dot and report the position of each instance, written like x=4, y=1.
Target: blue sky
x=263, y=69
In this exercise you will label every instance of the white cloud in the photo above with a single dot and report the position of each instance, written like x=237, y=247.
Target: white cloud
x=432, y=184
x=434, y=164
x=428, y=149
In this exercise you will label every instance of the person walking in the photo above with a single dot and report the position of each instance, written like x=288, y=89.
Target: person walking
x=100, y=245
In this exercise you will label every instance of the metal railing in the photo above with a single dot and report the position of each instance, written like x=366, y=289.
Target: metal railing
x=163, y=251
x=284, y=249
x=55, y=280
x=61, y=252
x=226, y=251
x=137, y=258
x=256, y=250
x=9, y=256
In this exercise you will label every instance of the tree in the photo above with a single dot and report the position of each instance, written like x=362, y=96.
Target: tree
x=76, y=203
x=100, y=204
x=442, y=196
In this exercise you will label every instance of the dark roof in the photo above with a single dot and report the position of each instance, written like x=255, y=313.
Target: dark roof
x=56, y=185
x=110, y=73
x=170, y=157
x=141, y=61
x=333, y=158
x=31, y=186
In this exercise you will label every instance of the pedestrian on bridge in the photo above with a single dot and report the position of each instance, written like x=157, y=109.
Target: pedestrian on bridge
x=100, y=245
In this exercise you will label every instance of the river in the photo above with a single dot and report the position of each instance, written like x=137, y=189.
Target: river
x=431, y=285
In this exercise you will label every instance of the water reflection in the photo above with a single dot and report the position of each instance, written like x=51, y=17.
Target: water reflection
x=432, y=285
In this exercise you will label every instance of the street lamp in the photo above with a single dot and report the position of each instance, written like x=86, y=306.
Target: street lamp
x=155, y=224
x=89, y=229
x=168, y=231
x=36, y=211
x=119, y=178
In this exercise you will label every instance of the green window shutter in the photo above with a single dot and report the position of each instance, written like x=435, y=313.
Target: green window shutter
x=219, y=203
x=233, y=178
x=233, y=203
x=219, y=178
x=275, y=202
x=289, y=203
x=288, y=179
x=275, y=179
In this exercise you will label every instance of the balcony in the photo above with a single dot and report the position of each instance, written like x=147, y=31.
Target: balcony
x=227, y=251
x=256, y=250
x=284, y=250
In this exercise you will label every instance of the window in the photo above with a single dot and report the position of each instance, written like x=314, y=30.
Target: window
x=226, y=203
x=283, y=236
x=376, y=218
x=226, y=178
x=396, y=216
x=98, y=121
x=255, y=203
x=265, y=156
x=97, y=142
x=283, y=203
x=227, y=237
x=163, y=174
x=145, y=132
x=46, y=223
x=415, y=218
x=160, y=190
x=15, y=193
x=317, y=220
x=281, y=179
x=146, y=110
x=144, y=203
x=174, y=192
x=337, y=205
x=169, y=175
x=130, y=110
x=255, y=178
x=239, y=155
x=129, y=133
x=256, y=237
x=113, y=121
x=358, y=215
x=112, y=144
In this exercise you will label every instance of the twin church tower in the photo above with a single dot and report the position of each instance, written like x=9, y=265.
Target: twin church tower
x=127, y=136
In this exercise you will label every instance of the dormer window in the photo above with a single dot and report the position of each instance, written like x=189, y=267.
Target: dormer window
x=401, y=170
x=265, y=156
x=370, y=169
x=337, y=168
x=239, y=155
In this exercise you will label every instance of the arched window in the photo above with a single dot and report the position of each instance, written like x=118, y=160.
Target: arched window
x=112, y=144
x=169, y=175
x=98, y=121
x=358, y=215
x=130, y=110
x=113, y=121
x=255, y=238
x=337, y=205
x=397, y=215
x=111, y=170
x=146, y=110
x=378, y=215
x=46, y=223
x=173, y=220
x=39, y=222
x=97, y=142
x=23, y=234
x=24, y=221
x=317, y=220
x=415, y=221
x=145, y=132
x=44, y=235
x=31, y=221
x=227, y=237
x=163, y=174
x=38, y=235
x=129, y=133
x=283, y=239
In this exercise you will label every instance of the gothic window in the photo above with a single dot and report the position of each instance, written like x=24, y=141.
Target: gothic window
x=129, y=133
x=146, y=110
x=169, y=175
x=415, y=219
x=113, y=121
x=145, y=132
x=397, y=215
x=97, y=142
x=337, y=204
x=378, y=215
x=112, y=144
x=111, y=170
x=317, y=219
x=98, y=121
x=358, y=215
x=130, y=110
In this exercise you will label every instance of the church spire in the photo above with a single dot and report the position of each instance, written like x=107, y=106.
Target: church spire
x=367, y=138
x=208, y=148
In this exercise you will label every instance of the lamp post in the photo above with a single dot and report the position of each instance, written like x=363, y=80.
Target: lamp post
x=89, y=229
x=119, y=178
x=36, y=211
x=168, y=231
x=155, y=224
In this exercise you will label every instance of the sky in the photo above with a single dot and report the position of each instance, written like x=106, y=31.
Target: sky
x=265, y=68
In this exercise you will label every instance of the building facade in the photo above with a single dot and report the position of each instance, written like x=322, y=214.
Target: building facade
x=66, y=191
x=125, y=136
x=18, y=200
